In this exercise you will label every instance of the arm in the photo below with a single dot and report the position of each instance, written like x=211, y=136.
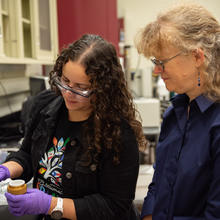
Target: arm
x=19, y=163
x=147, y=217
x=30, y=118
x=211, y=211
x=116, y=184
x=148, y=205
x=14, y=168
x=149, y=200
x=69, y=211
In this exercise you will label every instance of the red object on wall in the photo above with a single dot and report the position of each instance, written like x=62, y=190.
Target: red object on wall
x=78, y=17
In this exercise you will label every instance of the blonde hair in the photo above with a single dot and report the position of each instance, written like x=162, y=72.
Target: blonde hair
x=187, y=27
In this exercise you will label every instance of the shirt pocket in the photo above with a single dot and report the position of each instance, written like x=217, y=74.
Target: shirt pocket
x=86, y=178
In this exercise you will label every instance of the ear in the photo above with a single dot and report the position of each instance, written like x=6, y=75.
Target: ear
x=199, y=57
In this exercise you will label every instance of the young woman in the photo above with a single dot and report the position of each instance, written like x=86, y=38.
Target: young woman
x=81, y=141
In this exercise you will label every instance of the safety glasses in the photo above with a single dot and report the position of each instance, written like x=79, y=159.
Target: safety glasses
x=83, y=93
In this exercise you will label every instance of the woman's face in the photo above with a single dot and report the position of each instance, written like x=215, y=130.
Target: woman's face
x=74, y=76
x=180, y=74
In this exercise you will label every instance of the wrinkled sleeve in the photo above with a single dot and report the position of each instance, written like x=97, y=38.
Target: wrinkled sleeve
x=212, y=210
x=149, y=200
x=23, y=155
x=117, y=184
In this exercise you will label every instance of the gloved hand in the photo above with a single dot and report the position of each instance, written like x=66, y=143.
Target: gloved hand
x=4, y=173
x=33, y=202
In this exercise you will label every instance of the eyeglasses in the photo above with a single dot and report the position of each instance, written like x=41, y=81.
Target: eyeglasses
x=161, y=63
x=77, y=91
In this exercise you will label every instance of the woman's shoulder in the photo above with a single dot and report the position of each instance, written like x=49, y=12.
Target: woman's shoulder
x=45, y=96
x=42, y=99
x=125, y=126
x=34, y=104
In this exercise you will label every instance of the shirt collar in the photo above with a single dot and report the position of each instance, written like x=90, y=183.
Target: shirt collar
x=203, y=102
x=182, y=99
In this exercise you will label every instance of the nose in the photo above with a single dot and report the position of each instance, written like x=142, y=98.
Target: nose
x=70, y=94
x=158, y=69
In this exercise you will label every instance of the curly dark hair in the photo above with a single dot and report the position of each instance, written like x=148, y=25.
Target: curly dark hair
x=112, y=103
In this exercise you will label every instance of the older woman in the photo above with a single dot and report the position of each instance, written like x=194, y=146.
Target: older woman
x=185, y=45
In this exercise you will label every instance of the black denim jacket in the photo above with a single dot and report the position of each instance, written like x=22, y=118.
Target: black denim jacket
x=100, y=191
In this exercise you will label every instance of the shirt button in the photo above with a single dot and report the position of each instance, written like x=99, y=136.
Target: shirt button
x=68, y=175
x=73, y=143
x=93, y=167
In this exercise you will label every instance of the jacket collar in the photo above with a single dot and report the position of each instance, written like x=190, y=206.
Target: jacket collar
x=51, y=111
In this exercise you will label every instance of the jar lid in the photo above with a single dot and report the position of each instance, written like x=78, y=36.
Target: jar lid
x=16, y=183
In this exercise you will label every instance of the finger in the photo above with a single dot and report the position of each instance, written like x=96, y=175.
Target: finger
x=15, y=198
x=11, y=200
x=13, y=210
x=16, y=212
x=13, y=205
x=10, y=197
x=16, y=207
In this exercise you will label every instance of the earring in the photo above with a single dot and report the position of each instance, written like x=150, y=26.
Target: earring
x=199, y=78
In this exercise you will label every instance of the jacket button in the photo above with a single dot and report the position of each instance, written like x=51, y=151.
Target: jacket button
x=68, y=175
x=73, y=143
x=93, y=167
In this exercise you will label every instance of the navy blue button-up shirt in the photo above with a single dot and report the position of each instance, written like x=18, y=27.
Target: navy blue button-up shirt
x=186, y=181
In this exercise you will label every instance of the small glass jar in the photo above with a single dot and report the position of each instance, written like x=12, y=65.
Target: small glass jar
x=17, y=187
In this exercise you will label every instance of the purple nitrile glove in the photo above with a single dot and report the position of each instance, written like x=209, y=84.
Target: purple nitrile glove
x=33, y=202
x=4, y=173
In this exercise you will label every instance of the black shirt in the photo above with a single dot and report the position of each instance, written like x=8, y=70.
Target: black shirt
x=49, y=178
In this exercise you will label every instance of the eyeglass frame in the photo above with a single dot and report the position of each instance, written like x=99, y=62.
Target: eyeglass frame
x=60, y=85
x=161, y=63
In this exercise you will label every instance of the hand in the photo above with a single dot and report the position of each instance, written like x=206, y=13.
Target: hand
x=147, y=217
x=4, y=173
x=33, y=202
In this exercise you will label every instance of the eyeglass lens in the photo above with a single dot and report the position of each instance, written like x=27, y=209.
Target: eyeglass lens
x=63, y=87
x=160, y=63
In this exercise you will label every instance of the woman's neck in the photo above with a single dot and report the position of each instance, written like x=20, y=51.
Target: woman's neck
x=192, y=95
x=78, y=115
